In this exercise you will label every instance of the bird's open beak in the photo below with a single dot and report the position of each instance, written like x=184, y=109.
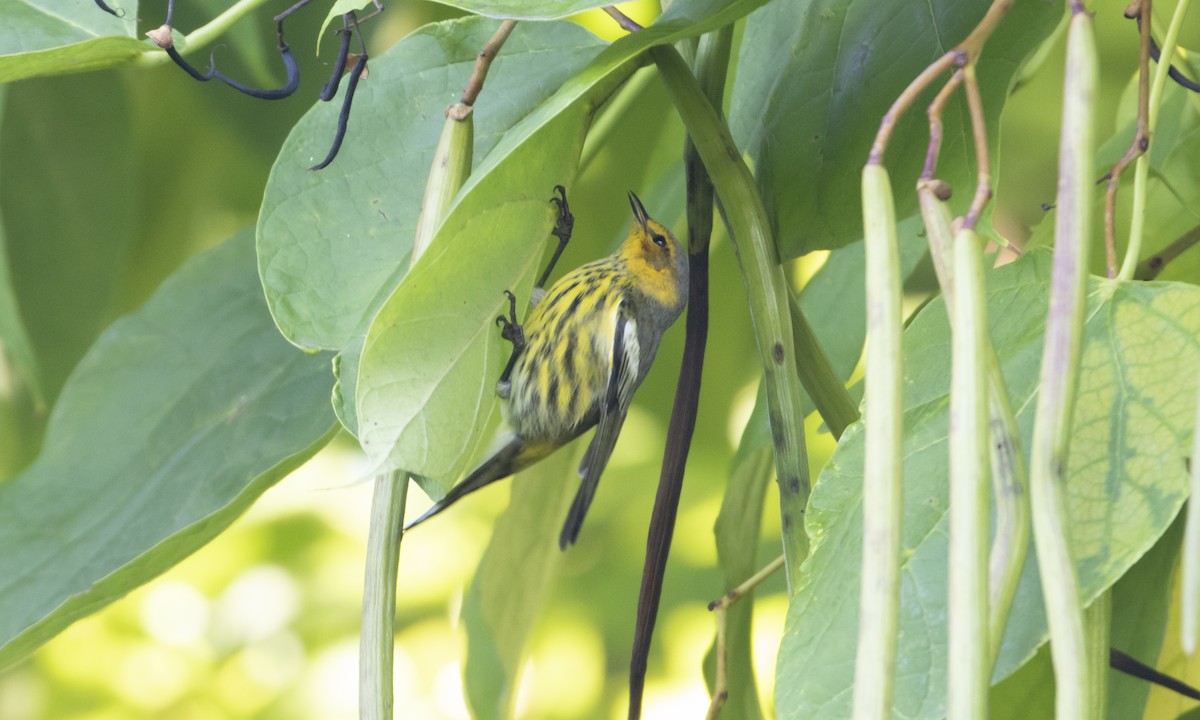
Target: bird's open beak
x=639, y=212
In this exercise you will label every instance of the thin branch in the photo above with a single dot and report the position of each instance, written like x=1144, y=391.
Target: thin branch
x=983, y=186
x=962, y=55
x=1139, y=9
x=1149, y=268
x=934, y=112
x=483, y=62
x=627, y=23
x=721, y=606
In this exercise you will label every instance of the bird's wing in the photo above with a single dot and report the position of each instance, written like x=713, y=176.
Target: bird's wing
x=622, y=381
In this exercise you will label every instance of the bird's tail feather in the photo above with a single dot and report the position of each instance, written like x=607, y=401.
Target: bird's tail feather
x=508, y=460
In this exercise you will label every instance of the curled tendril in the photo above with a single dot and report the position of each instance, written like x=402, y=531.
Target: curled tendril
x=119, y=12
x=1172, y=72
x=360, y=65
x=289, y=62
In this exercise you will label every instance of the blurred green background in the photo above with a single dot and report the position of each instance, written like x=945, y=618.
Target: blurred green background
x=109, y=180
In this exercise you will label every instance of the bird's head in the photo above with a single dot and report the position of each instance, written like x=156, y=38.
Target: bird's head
x=655, y=257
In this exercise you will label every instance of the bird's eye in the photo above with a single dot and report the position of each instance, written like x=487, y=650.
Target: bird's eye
x=659, y=240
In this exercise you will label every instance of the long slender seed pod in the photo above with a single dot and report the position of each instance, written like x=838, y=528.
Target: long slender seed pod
x=1060, y=372
x=360, y=66
x=969, y=660
x=339, y=67
x=879, y=599
x=1191, y=549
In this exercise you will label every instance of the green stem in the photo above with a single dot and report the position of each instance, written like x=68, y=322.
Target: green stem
x=969, y=658
x=1097, y=624
x=1060, y=373
x=879, y=596
x=766, y=286
x=203, y=35
x=377, y=636
x=819, y=378
x=1141, y=171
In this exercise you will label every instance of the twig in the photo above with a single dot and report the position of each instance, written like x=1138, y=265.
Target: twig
x=961, y=56
x=627, y=23
x=483, y=62
x=983, y=186
x=1141, y=178
x=934, y=112
x=721, y=605
x=1149, y=268
x=1139, y=9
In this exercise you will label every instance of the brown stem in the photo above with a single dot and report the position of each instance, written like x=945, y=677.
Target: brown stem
x=626, y=22
x=983, y=185
x=961, y=56
x=1139, y=9
x=1149, y=268
x=934, y=112
x=483, y=62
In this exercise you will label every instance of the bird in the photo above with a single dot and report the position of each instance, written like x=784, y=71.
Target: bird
x=584, y=349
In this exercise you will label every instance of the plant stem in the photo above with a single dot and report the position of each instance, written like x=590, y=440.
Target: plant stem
x=1141, y=172
x=483, y=61
x=204, y=35
x=766, y=287
x=818, y=377
x=969, y=659
x=1060, y=372
x=879, y=598
x=960, y=56
x=1149, y=268
x=1141, y=135
x=1097, y=622
x=377, y=636
x=712, y=64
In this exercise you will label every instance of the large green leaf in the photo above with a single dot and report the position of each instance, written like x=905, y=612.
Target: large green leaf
x=511, y=582
x=333, y=244
x=179, y=416
x=47, y=37
x=68, y=232
x=815, y=79
x=1140, y=363
x=16, y=350
x=426, y=378
x=525, y=9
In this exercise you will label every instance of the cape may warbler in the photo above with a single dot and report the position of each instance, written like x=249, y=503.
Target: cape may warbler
x=583, y=351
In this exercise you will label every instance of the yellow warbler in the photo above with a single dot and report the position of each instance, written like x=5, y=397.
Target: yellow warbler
x=587, y=345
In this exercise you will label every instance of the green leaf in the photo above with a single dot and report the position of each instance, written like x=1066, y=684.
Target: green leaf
x=1140, y=363
x=179, y=416
x=511, y=583
x=840, y=284
x=48, y=37
x=69, y=232
x=426, y=378
x=524, y=9
x=815, y=79
x=1140, y=601
x=16, y=349
x=334, y=244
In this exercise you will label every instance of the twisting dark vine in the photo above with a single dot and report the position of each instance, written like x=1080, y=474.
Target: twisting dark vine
x=162, y=36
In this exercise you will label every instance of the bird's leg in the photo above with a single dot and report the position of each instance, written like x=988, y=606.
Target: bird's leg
x=562, y=231
x=511, y=331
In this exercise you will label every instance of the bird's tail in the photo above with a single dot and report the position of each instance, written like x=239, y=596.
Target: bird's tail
x=516, y=455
